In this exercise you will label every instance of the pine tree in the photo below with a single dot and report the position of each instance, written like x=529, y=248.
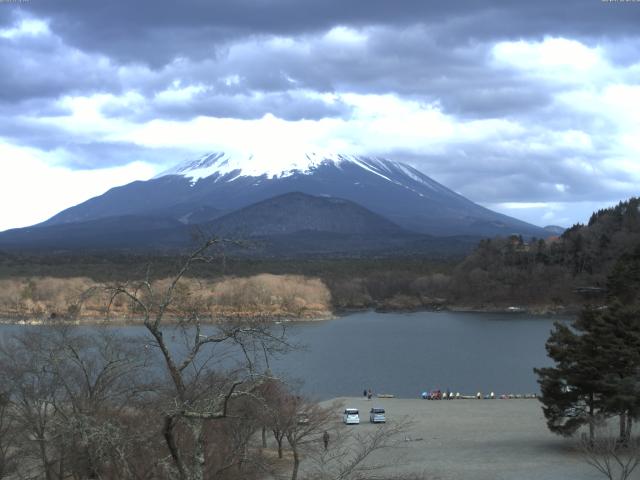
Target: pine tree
x=619, y=332
x=615, y=333
x=597, y=371
x=571, y=392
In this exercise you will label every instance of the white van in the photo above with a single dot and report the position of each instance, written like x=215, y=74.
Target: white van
x=351, y=416
x=377, y=415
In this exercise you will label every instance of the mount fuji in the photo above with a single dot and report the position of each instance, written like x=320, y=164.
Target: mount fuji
x=218, y=186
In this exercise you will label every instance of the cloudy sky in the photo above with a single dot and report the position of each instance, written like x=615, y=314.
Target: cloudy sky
x=529, y=108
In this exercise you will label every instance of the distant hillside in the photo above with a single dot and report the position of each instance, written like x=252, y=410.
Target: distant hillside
x=127, y=232
x=554, y=229
x=561, y=270
x=297, y=225
x=298, y=212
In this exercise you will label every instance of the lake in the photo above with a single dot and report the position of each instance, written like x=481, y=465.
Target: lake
x=407, y=353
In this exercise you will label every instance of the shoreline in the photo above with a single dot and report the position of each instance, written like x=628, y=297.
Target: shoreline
x=139, y=321
x=278, y=319
x=528, y=310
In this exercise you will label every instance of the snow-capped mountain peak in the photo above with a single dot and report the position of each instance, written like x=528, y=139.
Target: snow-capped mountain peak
x=229, y=167
x=247, y=165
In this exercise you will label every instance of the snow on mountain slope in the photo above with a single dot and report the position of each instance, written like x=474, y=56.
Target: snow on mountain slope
x=229, y=167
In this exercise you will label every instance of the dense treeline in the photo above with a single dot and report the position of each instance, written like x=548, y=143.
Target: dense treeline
x=552, y=274
x=115, y=266
x=502, y=271
x=555, y=273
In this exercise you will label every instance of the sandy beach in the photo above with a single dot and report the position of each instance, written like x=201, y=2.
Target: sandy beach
x=475, y=439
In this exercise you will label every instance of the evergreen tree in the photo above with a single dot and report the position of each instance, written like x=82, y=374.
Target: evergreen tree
x=619, y=331
x=623, y=285
x=571, y=392
x=597, y=371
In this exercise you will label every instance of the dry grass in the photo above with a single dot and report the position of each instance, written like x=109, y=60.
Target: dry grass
x=275, y=295
x=292, y=296
x=21, y=297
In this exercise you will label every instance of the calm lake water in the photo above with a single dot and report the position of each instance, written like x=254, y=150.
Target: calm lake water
x=407, y=353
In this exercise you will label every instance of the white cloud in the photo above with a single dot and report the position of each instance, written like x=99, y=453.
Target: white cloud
x=555, y=58
x=378, y=124
x=178, y=93
x=28, y=27
x=564, y=214
x=604, y=97
x=342, y=35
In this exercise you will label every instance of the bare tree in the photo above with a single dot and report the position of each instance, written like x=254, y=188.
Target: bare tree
x=306, y=423
x=615, y=460
x=277, y=412
x=8, y=460
x=230, y=448
x=67, y=396
x=349, y=455
x=183, y=403
x=32, y=392
x=102, y=376
x=198, y=394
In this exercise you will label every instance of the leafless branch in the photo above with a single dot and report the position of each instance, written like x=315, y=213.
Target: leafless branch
x=614, y=460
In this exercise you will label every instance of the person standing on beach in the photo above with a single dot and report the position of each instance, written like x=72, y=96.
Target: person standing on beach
x=369, y=394
x=325, y=440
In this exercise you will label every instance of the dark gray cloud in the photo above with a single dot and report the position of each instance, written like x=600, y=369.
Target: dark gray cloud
x=88, y=155
x=8, y=15
x=248, y=58
x=195, y=28
x=44, y=67
x=77, y=151
x=438, y=52
x=497, y=174
x=286, y=105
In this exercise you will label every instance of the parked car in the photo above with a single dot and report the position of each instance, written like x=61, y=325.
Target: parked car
x=351, y=416
x=377, y=415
